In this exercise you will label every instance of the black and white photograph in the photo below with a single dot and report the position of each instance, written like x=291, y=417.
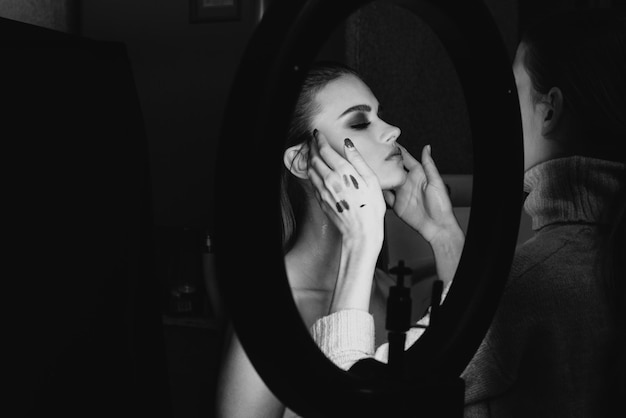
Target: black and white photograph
x=314, y=208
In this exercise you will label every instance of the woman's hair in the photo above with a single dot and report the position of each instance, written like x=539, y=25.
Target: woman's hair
x=293, y=194
x=584, y=54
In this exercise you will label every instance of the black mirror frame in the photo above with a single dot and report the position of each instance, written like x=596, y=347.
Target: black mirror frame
x=248, y=224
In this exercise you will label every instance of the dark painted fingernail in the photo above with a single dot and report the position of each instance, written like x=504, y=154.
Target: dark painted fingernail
x=356, y=184
x=339, y=208
x=348, y=143
x=345, y=204
x=362, y=205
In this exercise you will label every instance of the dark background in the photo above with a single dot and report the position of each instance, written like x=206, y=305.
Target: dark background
x=143, y=114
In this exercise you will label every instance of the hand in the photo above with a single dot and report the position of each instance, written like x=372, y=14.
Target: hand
x=422, y=201
x=348, y=192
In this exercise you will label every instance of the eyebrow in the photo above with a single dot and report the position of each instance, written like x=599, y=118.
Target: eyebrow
x=357, y=108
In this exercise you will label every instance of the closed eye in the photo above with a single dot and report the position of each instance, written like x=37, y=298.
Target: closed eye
x=360, y=126
x=359, y=121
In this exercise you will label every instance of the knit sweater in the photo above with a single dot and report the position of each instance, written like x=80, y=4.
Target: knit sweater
x=549, y=347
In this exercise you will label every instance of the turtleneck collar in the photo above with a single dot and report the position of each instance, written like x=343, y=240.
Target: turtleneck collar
x=570, y=189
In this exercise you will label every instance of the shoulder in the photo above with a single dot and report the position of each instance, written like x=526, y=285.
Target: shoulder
x=560, y=246
x=555, y=265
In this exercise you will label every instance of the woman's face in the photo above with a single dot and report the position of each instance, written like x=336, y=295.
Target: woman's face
x=349, y=109
x=530, y=112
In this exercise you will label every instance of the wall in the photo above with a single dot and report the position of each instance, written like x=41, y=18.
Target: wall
x=183, y=73
x=404, y=62
x=59, y=15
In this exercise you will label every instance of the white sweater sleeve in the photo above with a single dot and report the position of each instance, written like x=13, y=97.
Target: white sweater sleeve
x=347, y=336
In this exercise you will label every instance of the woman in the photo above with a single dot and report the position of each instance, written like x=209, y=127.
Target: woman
x=340, y=156
x=556, y=344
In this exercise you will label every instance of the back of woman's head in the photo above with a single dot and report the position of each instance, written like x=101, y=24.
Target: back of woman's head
x=293, y=195
x=583, y=53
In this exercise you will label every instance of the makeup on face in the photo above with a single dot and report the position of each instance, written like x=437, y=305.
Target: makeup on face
x=360, y=118
x=359, y=122
x=349, y=109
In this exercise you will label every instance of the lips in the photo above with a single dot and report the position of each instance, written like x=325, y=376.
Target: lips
x=395, y=153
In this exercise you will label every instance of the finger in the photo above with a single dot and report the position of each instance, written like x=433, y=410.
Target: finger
x=355, y=158
x=409, y=161
x=326, y=183
x=331, y=212
x=430, y=169
x=331, y=157
x=314, y=151
x=311, y=147
x=328, y=186
x=346, y=166
x=327, y=198
x=318, y=164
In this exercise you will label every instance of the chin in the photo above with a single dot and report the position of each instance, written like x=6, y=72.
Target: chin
x=393, y=180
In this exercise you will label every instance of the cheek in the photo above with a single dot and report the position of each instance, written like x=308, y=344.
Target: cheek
x=337, y=143
x=370, y=153
x=391, y=177
x=526, y=113
x=334, y=136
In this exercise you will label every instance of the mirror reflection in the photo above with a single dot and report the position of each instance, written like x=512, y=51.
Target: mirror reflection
x=366, y=191
x=354, y=213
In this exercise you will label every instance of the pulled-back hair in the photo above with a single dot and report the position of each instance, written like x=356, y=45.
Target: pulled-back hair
x=583, y=53
x=293, y=195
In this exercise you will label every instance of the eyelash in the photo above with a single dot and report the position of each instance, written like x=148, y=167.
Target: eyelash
x=361, y=126
x=364, y=125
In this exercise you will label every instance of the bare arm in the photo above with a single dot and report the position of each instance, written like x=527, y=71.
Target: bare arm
x=240, y=391
x=447, y=249
x=357, y=208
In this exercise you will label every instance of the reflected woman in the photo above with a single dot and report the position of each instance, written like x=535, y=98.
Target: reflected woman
x=343, y=166
x=556, y=346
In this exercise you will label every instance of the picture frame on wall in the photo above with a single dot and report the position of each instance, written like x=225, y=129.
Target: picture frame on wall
x=205, y=11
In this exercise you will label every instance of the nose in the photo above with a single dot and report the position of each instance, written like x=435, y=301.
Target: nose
x=391, y=133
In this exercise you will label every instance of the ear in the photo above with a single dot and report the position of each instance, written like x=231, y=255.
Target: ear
x=552, y=110
x=295, y=159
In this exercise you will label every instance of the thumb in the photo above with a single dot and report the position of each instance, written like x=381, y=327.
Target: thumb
x=430, y=169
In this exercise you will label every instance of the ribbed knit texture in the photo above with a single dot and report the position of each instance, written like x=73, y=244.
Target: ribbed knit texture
x=348, y=336
x=345, y=336
x=548, y=350
x=571, y=189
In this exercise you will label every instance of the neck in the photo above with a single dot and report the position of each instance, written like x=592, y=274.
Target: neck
x=571, y=189
x=313, y=261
